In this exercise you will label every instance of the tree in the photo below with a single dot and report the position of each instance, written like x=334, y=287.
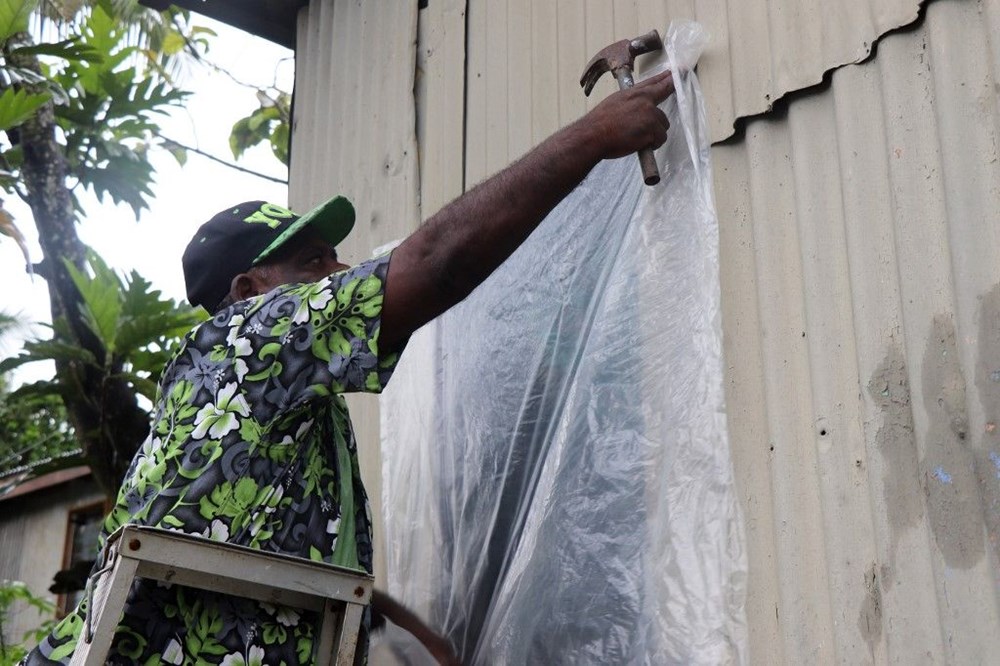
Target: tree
x=33, y=431
x=78, y=112
x=270, y=123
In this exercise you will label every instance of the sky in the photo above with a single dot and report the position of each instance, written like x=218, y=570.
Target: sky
x=184, y=196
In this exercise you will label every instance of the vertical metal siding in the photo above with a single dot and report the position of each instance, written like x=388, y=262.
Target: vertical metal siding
x=861, y=272
x=32, y=544
x=440, y=99
x=354, y=133
x=859, y=229
x=860, y=282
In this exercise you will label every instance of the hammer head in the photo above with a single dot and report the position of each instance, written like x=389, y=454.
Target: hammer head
x=618, y=55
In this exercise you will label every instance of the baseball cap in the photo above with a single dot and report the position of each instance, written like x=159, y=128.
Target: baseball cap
x=241, y=236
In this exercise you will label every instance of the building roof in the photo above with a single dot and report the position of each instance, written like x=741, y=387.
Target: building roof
x=21, y=483
x=273, y=20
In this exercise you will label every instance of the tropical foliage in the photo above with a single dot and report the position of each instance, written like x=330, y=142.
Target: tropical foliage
x=270, y=123
x=138, y=329
x=34, y=431
x=15, y=592
x=81, y=92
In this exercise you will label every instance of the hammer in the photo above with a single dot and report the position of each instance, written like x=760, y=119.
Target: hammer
x=618, y=58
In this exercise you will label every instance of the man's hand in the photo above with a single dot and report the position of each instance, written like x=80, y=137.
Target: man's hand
x=630, y=120
x=458, y=248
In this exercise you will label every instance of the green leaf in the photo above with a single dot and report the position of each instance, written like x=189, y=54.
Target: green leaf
x=143, y=386
x=14, y=16
x=241, y=137
x=36, y=392
x=261, y=118
x=47, y=350
x=102, y=299
x=68, y=49
x=180, y=154
x=173, y=43
x=172, y=521
x=16, y=106
x=279, y=143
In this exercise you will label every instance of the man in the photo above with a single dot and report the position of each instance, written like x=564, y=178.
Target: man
x=251, y=442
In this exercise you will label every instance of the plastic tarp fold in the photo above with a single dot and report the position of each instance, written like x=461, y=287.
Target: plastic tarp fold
x=556, y=472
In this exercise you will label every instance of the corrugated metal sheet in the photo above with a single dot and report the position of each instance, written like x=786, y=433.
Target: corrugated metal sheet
x=440, y=99
x=355, y=117
x=354, y=133
x=768, y=48
x=761, y=50
x=861, y=286
x=861, y=272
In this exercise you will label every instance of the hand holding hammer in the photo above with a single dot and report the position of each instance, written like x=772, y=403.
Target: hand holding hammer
x=619, y=59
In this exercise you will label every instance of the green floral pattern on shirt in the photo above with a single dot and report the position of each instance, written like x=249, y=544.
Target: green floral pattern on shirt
x=252, y=444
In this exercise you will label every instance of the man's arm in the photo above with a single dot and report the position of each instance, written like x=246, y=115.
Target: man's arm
x=458, y=248
x=402, y=617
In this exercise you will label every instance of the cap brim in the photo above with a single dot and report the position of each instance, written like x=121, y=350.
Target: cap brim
x=333, y=219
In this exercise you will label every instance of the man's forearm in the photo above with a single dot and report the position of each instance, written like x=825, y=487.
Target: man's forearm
x=403, y=617
x=470, y=237
x=460, y=246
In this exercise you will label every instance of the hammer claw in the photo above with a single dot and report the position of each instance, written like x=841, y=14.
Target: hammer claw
x=619, y=58
x=595, y=69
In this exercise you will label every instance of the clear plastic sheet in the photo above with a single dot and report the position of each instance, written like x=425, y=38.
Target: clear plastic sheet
x=556, y=473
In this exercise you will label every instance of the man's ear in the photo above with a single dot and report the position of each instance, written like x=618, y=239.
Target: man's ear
x=244, y=286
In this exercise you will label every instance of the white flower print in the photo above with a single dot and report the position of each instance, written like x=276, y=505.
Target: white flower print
x=287, y=617
x=303, y=429
x=172, y=654
x=255, y=657
x=220, y=418
x=316, y=300
x=217, y=531
x=241, y=347
x=234, y=328
x=145, y=461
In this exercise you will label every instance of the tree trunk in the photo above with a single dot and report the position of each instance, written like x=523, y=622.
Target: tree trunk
x=108, y=421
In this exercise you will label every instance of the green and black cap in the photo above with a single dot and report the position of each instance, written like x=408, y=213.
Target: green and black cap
x=241, y=236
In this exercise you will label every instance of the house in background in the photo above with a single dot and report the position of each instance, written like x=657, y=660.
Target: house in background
x=47, y=524
x=857, y=182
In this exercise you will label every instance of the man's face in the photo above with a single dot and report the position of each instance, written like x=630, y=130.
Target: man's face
x=307, y=257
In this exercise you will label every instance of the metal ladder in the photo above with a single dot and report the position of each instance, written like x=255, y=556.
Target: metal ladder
x=144, y=552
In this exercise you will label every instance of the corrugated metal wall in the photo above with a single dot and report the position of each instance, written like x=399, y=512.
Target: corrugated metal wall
x=861, y=248
x=861, y=270
x=524, y=57
x=354, y=133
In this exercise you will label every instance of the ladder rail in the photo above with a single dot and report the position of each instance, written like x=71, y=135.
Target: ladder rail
x=338, y=593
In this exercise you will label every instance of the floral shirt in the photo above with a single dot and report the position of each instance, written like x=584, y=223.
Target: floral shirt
x=251, y=443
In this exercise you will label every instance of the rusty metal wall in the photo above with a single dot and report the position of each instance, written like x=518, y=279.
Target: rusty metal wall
x=861, y=273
